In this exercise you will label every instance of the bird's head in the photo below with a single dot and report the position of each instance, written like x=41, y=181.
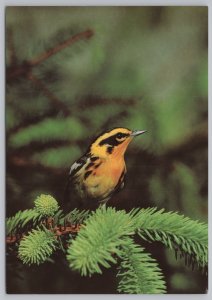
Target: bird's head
x=114, y=142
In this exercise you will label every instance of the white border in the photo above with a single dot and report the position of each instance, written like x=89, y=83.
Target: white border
x=108, y=2
x=2, y=136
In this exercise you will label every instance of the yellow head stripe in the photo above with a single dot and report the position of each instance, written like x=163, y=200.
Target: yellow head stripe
x=111, y=133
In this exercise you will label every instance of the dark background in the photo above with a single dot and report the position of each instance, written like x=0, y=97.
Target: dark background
x=136, y=67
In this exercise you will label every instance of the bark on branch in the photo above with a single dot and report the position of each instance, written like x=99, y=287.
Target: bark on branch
x=58, y=231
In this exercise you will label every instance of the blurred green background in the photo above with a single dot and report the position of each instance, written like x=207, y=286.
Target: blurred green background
x=143, y=68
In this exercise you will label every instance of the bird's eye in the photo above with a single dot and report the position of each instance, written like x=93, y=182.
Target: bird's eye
x=119, y=135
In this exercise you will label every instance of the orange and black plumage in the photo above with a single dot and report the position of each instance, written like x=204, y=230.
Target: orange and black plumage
x=100, y=172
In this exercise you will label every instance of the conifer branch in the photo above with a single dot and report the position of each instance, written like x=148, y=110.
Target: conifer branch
x=26, y=67
x=45, y=55
x=20, y=220
x=36, y=247
x=175, y=231
x=139, y=272
x=46, y=213
x=97, y=244
x=100, y=238
x=29, y=163
x=57, y=231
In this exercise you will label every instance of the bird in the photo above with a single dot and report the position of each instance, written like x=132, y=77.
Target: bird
x=100, y=173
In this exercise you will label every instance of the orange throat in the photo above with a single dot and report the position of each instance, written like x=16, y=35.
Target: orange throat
x=118, y=152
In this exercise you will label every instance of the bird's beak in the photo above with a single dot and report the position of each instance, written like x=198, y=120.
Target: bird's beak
x=137, y=132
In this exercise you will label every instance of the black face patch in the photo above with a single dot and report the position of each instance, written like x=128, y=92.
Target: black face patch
x=114, y=139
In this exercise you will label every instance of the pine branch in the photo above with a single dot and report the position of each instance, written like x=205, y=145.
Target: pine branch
x=139, y=272
x=46, y=213
x=106, y=228
x=45, y=206
x=26, y=67
x=48, y=130
x=174, y=231
x=21, y=220
x=23, y=162
x=103, y=237
x=75, y=217
x=36, y=247
x=45, y=55
x=57, y=231
x=97, y=244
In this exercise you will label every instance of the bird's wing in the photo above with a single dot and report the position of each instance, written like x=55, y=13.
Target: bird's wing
x=71, y=199
x=77, y=165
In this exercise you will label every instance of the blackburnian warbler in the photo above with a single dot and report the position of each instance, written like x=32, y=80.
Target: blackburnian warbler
x=100, y=172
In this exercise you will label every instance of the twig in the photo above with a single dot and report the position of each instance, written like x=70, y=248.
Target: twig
x=68, y=229
x=58, y=231
x=25, y=68
x=45, y=55
x=22, y=162
x=11, y=239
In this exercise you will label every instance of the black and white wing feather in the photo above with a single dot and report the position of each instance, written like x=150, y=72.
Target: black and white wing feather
x=77, y=166
x=71, y=199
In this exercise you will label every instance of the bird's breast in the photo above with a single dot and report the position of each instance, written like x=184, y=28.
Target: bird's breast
x=104, y=178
